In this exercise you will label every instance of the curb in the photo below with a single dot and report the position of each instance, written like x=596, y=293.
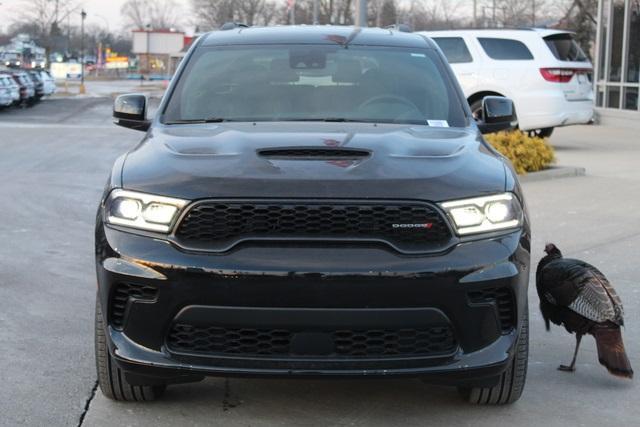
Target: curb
x=554, y=172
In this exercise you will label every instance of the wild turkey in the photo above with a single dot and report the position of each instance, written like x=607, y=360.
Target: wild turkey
x=579, y=297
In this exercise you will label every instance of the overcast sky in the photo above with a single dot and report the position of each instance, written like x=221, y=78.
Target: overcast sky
x=99, y=12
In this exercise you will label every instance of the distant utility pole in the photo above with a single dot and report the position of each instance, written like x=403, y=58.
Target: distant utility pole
x=475, y=13
x=315, y=12
x=292, y=11
x=361, y=13
x=83, y=15
x=533, y=13
x=493, y=14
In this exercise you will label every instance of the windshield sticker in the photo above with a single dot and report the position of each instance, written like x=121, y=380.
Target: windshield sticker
x=419, y=55
x=438, y=123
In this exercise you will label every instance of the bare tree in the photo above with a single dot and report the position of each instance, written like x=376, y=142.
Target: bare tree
x=45, y=15
x=580, y=16
x=42, y=20
x=211, y=14
x=388, y=13
x=155, y=13
x=250, y=10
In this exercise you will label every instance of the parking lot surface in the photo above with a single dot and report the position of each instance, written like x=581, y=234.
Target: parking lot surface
x=55, y=160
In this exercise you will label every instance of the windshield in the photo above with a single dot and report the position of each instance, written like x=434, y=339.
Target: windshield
x=315, y=82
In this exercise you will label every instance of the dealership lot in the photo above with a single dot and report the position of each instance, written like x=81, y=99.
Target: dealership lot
x=55, y=161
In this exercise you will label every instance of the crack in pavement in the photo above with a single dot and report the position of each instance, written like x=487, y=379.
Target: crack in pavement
x=94, y=389
x=229, y=401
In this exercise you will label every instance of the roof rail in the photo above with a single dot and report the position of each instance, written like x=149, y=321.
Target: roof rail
x=404, y=28
x=231, y=25
x=495, y=29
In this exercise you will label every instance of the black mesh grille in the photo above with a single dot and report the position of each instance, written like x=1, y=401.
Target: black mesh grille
x=503, y=298
x=314, y=153
x=216, y=225
x=436, y=340
x=120, y=297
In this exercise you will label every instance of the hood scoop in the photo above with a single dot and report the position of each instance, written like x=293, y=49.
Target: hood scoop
x=313, y=153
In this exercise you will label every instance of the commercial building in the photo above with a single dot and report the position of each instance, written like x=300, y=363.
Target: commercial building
x=617, y=64
x=22, y=52
x=158, y=50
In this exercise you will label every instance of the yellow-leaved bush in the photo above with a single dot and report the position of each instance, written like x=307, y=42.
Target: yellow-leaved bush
x=528, y=154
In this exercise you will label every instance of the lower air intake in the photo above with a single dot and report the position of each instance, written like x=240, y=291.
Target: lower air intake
x=218, y=340
x=504, y=301
x=121, y=297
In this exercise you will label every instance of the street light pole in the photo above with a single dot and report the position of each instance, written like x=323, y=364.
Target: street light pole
x=83, y=15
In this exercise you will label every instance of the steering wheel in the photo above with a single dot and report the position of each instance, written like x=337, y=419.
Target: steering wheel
x=393, y=98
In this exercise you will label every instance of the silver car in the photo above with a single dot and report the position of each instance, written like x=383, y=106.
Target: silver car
x=14, y=89
x=48, y=82
x=5, y=93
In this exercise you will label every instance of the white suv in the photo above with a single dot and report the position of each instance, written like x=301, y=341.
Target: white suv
x=544, y=72
x=48, y=82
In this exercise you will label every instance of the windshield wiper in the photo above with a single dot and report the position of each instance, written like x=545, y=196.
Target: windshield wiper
x=328, y=119
x=187, y=121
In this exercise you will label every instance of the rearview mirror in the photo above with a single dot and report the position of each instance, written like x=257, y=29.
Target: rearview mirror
x=130, y=111
x=498, y=114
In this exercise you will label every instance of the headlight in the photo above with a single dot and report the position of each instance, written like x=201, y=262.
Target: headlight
x=483, y=214
x=142, y=211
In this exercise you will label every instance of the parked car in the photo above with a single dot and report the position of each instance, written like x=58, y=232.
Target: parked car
x=36, y=78
x=544, y=71
x=14, y=90
x=303, y=209
x=27, y=88
x=5, y=93
x=49, y=82
x=10, y=59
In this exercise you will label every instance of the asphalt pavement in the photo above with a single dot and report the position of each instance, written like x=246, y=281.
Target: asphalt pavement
x=55, y=159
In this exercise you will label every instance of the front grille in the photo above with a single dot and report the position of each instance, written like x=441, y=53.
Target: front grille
x=505, y=303
x=121, y=296
x=313, y=153
x=218, y=340
x=219, y=225
x=434, y=340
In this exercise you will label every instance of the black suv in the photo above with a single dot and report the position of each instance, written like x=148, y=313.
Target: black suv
x=312, y=201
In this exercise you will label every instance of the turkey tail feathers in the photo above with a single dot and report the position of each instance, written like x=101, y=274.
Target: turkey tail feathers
x=611, y=352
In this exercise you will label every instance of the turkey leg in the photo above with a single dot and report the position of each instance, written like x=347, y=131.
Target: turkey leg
x=572, y=366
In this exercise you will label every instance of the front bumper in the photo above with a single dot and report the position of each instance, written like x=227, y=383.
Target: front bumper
x=311, y=291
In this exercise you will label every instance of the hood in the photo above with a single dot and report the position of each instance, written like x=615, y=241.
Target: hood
x=225, y=160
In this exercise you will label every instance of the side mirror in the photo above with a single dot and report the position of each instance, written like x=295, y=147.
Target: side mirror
x=130, y=111
x=498, y=114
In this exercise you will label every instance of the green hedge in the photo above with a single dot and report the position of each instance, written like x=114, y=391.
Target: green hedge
x=528, y=154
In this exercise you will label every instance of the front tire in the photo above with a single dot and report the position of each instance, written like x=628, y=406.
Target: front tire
x=512, y=381
x=110, y=377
